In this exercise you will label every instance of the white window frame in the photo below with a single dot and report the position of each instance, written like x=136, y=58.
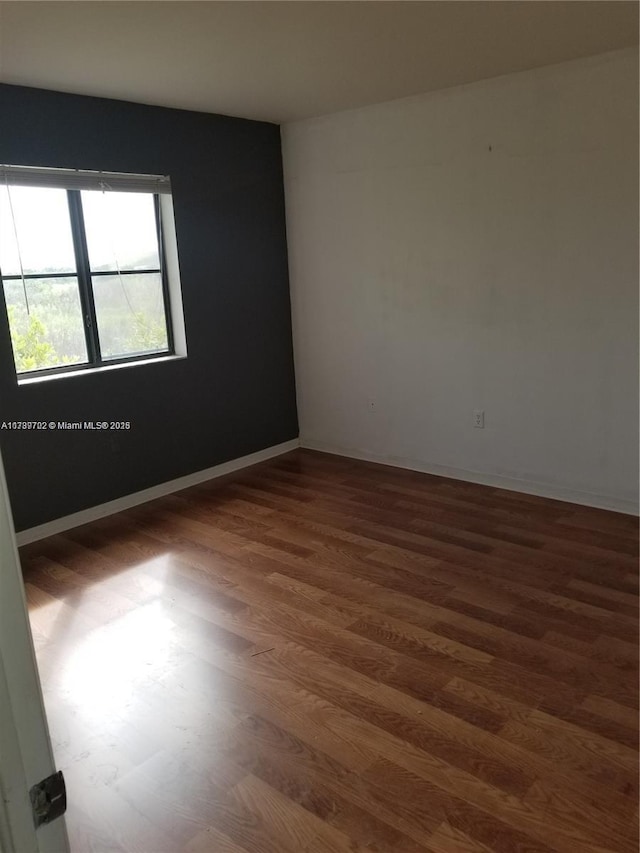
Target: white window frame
x=73, y=181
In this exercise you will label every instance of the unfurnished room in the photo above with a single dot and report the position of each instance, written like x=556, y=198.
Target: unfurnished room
x=319, y=427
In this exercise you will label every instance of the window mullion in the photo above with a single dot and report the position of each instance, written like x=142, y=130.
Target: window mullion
x=84, y=276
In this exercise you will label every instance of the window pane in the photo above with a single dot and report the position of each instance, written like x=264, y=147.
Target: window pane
x=34, y=226
x=130, y=313
x=121, y=230
x=46, y=326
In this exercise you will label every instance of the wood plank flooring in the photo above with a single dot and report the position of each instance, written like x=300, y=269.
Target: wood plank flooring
x=319, y=654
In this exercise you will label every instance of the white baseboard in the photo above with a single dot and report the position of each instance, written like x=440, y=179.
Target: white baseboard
x=512, y=484
x=59, y=525
x=545, y=490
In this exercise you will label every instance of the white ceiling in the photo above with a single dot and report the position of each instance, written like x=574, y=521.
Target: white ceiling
x=282, y=61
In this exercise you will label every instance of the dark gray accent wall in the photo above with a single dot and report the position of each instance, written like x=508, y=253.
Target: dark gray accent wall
x=235, y=392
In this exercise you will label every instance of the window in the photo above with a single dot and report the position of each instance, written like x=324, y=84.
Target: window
x=83, y=267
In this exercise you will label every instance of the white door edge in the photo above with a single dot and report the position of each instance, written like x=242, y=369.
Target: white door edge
x=26, y=755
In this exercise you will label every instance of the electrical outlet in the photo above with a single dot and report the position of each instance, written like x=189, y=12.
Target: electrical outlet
x=478, y=418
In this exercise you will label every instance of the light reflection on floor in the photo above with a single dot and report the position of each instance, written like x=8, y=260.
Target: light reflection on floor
x=100, y=675
x=130, y=686
x=97, y=668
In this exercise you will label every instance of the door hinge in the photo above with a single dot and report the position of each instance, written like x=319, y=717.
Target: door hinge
x=48, y=799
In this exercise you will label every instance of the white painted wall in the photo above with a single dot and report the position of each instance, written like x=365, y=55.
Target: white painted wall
x=476, y=248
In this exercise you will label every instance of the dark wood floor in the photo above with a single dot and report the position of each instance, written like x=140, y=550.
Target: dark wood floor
x=319, y=654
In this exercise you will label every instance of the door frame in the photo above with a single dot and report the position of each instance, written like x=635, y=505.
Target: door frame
x=26, y=754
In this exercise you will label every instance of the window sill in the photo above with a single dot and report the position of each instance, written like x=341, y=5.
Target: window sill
x=90, y=371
